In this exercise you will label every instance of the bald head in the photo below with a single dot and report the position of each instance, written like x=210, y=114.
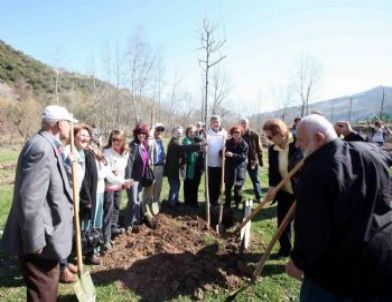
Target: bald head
x=313, y=132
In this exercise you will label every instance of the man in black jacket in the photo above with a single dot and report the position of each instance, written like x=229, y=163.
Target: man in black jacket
x=343, y=222
x=255, y=155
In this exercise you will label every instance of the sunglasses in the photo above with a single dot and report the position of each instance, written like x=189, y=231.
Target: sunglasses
x=115, y=139
x=160, y=129
x=270, y=137
x=236, y=132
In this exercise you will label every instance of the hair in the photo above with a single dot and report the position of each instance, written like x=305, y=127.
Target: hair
x=236, y=127
x=189, y=128
x=378, y=124
x=276, y=126
x=215, y=117
x=315, y=123
x=47, y=124
x=297, y=119
x=80, y=126
x=176, y=131
x=141, y=129
x=117, y=133
x=245, y=119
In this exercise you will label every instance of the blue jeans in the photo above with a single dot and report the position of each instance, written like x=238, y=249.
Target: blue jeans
x=254, y=177
x=311, y=292
x=174, y=184
x=132, y=214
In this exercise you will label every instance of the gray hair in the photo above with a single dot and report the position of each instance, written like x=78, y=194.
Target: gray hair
x=314, y=123
x=177, y=131
x=245, y=119
x=215, y=117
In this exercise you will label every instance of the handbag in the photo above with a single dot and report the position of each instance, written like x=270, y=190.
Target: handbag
x=148, y=177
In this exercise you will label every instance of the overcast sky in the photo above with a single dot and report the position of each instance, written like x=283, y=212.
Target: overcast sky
x=352, y=40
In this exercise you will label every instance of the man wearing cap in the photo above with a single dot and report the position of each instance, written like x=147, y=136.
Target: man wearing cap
x=255, y=155
x=39, y=225
x=158, y=160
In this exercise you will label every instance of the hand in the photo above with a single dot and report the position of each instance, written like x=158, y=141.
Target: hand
x=271, y=194
x=128, y=183
x=229, y=154
x=37, y=252
x=343, y=128
x=253, y=164
x=293, y=271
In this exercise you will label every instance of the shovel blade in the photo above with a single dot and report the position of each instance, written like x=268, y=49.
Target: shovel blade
x=84, y=288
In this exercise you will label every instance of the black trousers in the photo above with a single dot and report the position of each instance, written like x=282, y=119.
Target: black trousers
x=237, y=194
x=285, y=200
x=191, y=188
x=41, y=277
x=214, y=182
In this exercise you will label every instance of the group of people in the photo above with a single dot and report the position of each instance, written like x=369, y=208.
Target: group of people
x=343, y=223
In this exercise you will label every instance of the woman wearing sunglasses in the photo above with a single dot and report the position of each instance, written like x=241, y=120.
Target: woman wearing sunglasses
x=283, y=155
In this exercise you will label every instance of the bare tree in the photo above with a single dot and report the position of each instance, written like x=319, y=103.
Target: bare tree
x=382, y=104
x=159, y=71
x=141, y=59
x=211, y=47
x=308, y=74
x=220, y=91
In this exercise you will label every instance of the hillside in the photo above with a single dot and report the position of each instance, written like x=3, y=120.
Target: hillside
x=355, y=108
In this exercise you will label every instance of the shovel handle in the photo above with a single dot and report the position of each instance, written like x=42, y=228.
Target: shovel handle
x=75, y=192
x=259, y=266
x=293, y=171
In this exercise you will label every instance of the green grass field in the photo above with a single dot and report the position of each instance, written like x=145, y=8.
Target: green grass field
x=274, y=284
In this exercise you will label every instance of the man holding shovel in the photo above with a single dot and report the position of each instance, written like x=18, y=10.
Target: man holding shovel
x=343, y=220
x=39, y=226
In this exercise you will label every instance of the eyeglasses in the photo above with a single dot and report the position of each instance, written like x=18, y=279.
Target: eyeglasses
x=236, y=132
x=118, y=140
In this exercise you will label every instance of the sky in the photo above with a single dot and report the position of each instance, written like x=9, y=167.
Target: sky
x=351, y=40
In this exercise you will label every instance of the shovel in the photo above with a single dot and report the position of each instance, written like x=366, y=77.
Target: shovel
x=220, y=229
x=84, y=287
x=237, y=228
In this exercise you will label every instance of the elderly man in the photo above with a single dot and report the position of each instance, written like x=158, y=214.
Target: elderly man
x=158, y=157
x=343, y=128
x=343, y=222
x=216, y=141
x=255, y=155
x=39, y=225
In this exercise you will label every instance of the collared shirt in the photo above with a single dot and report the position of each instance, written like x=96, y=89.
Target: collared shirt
x=159, y=152
x=283, y=159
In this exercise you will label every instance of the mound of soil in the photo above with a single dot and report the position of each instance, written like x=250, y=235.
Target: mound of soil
x=180, y=257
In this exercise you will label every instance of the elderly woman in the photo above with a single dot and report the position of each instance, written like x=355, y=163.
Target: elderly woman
x=82, y=134
x=283, y=156
x=138, y=163
x=175, y=161
x=194, y=167
x=236, y=160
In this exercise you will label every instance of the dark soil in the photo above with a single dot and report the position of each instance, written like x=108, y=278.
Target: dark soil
x=180, y=257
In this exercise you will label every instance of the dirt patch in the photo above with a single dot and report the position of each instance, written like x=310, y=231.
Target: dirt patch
x=180, y=257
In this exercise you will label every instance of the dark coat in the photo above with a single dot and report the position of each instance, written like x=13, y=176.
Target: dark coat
x=235, y=167
x=274, y=177
x=343, y=221
x=134, y=167
x=255, y=153
x=88, y=191
x=354, y=136
x=175, y=158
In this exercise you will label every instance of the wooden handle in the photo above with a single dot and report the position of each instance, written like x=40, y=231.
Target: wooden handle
x=287, y=219
x=293, y=171
x=75, y=191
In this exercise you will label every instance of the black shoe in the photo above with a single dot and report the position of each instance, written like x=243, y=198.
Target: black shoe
x=136, y=229
x=280, y=255
x=93, y=260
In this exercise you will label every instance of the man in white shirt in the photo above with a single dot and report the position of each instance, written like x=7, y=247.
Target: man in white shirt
x=216, y=140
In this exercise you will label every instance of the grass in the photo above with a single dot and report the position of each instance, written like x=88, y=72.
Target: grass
x=274, y=285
